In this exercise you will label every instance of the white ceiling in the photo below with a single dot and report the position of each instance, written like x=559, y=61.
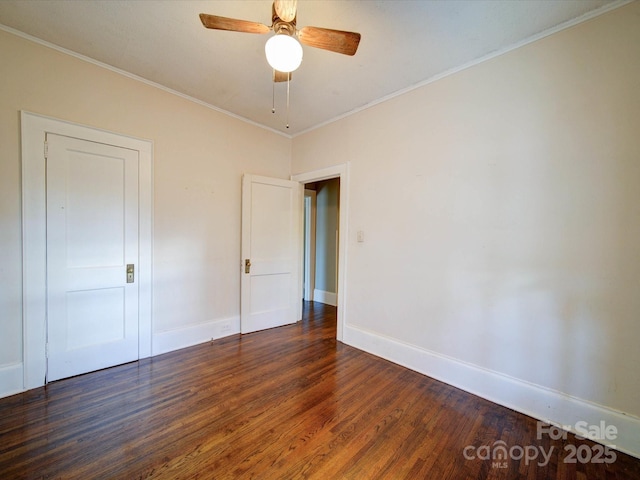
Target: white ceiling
x=404, y=44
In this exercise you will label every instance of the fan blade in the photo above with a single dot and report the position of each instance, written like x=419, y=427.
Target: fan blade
x=281, y=76
x=334, y=40
x=231, y=24
x=285, y=9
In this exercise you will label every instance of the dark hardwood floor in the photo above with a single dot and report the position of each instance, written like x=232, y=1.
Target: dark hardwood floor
x=284, y=403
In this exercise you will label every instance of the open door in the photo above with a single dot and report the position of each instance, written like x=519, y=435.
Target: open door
x=271, y=257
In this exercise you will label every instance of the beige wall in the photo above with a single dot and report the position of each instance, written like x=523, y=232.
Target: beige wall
x=507, y=236
x=199, y=157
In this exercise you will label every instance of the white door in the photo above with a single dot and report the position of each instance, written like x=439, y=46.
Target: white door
x=92, y=235
x=271, y=256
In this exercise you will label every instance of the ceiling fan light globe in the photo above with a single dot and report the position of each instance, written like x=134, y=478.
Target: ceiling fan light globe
x=284, y=53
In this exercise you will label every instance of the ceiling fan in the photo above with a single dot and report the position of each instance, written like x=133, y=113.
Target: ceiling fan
x=284, y=25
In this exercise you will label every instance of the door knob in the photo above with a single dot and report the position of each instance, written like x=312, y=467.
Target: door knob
x=130, y=270
x=247, y=265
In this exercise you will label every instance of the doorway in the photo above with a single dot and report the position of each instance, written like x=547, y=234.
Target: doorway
x=340, y=172
x=322, y=233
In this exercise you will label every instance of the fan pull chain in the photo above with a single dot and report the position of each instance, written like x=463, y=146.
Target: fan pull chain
x=288, y=83
x=273, y=93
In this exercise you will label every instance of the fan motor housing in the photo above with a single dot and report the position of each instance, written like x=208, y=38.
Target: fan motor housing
x=280, y=26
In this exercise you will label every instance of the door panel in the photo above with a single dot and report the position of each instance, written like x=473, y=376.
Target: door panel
x=92, y=234
x=271, y=215
x=87, y=326
x=94, y=182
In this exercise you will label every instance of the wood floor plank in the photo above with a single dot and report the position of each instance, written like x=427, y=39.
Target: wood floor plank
x=284, y=403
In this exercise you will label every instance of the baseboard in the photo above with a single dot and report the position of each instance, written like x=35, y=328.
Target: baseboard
x=330, y=298
x=11, y=376
x=178, y=338
x=541, y=403
x=11, y=379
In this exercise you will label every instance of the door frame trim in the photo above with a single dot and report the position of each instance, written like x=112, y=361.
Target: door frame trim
x=34, y=127
x=342, y=172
